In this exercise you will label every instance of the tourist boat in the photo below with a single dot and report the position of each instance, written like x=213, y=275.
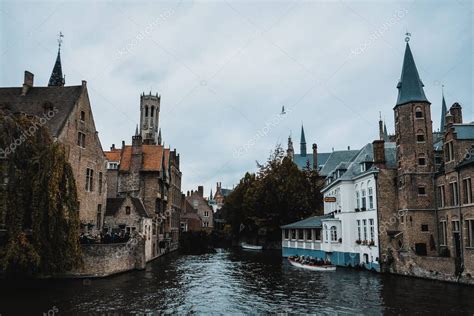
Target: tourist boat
x=251, y=247
x=312, y=267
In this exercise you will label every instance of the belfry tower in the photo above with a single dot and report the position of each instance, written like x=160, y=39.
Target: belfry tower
x=149, y=118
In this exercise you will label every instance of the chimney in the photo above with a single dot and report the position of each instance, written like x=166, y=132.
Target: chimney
x=379, y=153
x=348, y=147
x=456, y=112
x=315, y=157
x=112, y=147
x=27, y=82
x=84, y=83
x=201, y=191
x=123, y=144
x=187, y=193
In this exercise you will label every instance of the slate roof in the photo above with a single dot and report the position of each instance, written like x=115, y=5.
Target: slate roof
x=310, y=222
x=410, y=87
x=57, y=78
x=300, y=161
x=335, y=158
x=225, y=192
x=114, y=205
x=464, y=131
x=37, y=99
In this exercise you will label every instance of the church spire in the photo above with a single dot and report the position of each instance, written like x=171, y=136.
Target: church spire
x=444, y=110
x=290, y=151
x=302, y=143
x=410, y=87
x=57, y=78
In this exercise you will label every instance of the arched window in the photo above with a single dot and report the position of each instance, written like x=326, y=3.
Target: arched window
x=146, y=111
x=333, y=233
x=420, y=136
x=418, y=112
x=152, y=111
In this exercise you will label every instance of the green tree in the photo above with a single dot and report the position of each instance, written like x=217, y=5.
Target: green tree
x=278, y=194
x=39, y=200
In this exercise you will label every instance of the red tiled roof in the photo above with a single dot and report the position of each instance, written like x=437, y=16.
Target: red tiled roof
x=113, y=155
x=152, y=158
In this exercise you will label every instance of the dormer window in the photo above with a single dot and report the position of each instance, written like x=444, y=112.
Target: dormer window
x=362, y=167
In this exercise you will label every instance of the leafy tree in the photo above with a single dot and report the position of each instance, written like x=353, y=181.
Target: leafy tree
x=38, y=200
x=278, y=194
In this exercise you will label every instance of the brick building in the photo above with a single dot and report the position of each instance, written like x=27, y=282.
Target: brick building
x=72, y=124
x=202, y=208
x=426, y=214
x=150, y=172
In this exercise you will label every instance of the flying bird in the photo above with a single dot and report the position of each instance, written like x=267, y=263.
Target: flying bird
x=283, y=110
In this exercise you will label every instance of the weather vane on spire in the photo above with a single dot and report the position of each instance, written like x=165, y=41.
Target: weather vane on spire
x=407, y=38
x=60, y=39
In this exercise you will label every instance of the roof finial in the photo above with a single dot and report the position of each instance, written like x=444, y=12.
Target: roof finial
x=407, y=38
x=60, y=39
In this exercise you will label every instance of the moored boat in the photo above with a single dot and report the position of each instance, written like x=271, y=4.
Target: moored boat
x=311, y=264
x=251, y=247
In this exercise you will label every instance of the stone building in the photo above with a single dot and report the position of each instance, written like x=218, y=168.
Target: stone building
x=127, y=215
x=217, y=201
x=201, y=206
x=150, y=172
x=426, y=213
x=71, y=123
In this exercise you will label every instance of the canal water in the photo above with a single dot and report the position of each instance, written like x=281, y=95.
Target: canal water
x=235, y=282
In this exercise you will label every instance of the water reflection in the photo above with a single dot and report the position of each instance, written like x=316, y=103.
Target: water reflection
x=237, y=282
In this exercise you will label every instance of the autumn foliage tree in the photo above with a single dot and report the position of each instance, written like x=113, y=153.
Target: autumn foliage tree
x=38, y=200
x=279, y=193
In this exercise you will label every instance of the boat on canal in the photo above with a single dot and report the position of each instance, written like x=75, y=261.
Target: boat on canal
x=311, y=264
x=250, y=247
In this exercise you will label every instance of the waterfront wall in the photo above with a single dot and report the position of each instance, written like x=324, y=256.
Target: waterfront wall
x=100, y=260
x=436, y=268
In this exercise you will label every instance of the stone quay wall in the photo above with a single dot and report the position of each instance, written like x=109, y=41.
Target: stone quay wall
x=101, y=260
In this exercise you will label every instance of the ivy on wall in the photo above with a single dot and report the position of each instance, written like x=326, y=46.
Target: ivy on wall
x=38, y=200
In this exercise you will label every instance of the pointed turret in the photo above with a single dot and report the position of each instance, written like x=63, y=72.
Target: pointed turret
x=302, y=143
x=385, y=133
x=159, y=137
x=290, y=152
x=57, y=78
x=410, y=87
x=444, y=110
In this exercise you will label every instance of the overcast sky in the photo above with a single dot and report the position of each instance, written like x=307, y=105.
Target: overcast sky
x=225, y=68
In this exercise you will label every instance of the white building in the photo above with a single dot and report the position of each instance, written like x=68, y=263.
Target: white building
x=349, y=227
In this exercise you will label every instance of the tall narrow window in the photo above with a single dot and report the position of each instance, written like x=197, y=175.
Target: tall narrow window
x=470, y=232
x=333, y=233
x=365, y=228
x=89, y=180
x=371, y=198
x=146, y=111
x=372, y=229
x=449, y=151
x=364, y=202
x=357, y=199
x=444, y=233
x=100, y=182
x=128, y=210
x=99, y=216
x=454, y=193
x=441, y=196
x=152, y=111
x=359, y=230
x=81, y=140
x=467, y=191
x=82, y=116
